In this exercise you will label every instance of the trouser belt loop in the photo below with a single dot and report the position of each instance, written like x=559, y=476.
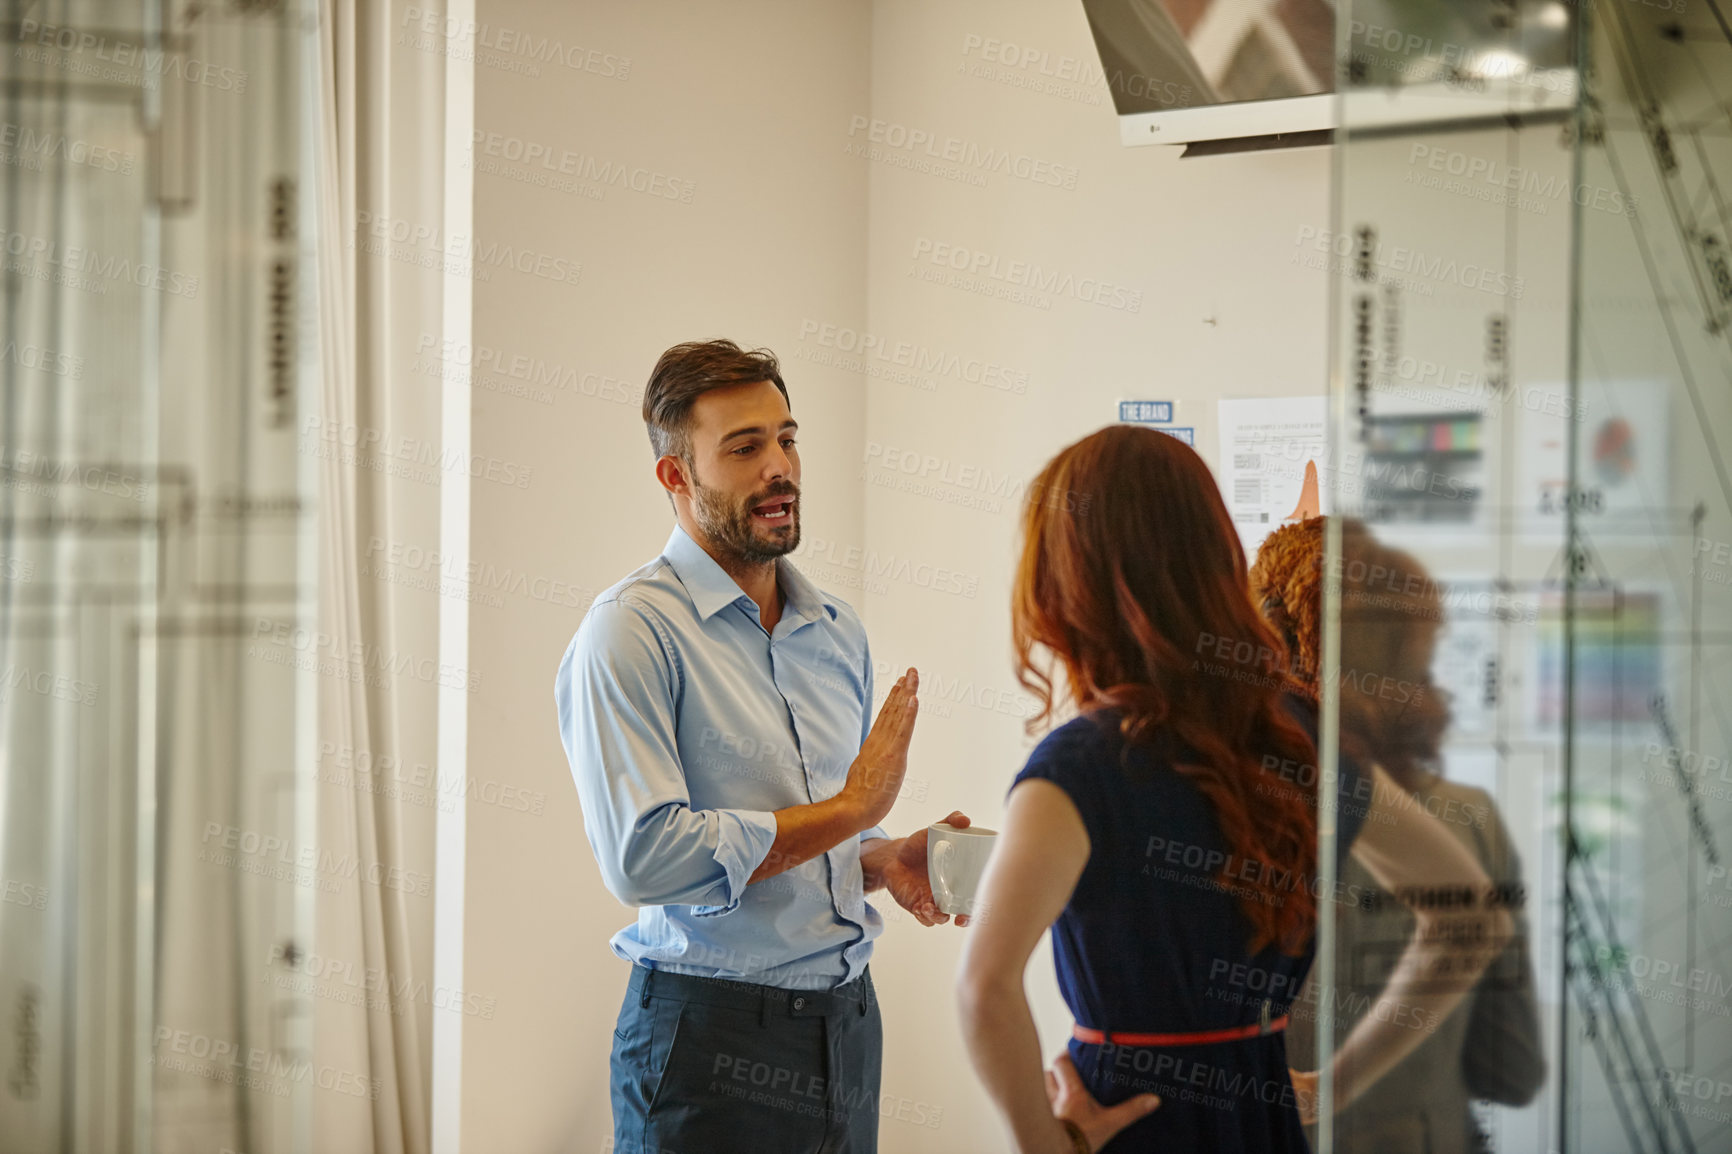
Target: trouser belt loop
x=648, y=976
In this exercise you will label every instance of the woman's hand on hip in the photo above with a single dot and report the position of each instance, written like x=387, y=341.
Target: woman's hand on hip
x=1072, y=1101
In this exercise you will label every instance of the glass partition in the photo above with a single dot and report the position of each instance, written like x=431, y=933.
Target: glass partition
x=1647, y=612
x=1526, y=588
x=153, y=508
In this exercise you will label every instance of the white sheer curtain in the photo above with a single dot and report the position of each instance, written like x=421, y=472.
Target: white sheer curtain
x=382, y=156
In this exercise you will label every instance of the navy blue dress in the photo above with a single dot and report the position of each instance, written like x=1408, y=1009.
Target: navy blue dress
x=1153, y=942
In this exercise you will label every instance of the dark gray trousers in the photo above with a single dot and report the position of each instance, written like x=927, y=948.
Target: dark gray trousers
x=707, y=1066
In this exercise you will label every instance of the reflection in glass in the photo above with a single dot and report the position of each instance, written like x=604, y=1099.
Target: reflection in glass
x=1395, y=714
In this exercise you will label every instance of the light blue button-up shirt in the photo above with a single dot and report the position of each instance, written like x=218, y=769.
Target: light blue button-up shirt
x=687, y=727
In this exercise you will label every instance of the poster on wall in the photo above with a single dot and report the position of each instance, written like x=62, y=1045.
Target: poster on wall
x=1272, y=454
x=1617, y=659
x=1623, y=439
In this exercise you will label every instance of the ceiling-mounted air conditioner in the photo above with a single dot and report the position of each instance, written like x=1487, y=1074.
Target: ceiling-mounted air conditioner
x=1189, y=71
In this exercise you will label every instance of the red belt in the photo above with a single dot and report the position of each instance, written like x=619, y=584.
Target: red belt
x=1196, y=1038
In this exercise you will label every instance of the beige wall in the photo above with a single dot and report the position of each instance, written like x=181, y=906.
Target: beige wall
x=794, y=241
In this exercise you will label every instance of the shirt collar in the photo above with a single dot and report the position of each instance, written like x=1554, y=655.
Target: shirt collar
x=712, y=590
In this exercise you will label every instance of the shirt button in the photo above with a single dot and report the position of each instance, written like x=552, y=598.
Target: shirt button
x=799, y=1003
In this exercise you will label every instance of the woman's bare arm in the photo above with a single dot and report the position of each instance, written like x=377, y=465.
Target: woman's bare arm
x=1040, y=854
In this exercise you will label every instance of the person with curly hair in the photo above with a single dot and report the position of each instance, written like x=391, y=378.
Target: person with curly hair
x=1391, y=614
x=1167, y=834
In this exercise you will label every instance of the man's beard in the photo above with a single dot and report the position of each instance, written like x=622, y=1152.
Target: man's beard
x=732, y=528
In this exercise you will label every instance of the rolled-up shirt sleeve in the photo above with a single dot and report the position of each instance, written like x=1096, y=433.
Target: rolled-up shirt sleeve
x=616, y=691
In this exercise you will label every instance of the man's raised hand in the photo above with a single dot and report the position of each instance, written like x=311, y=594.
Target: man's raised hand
x=875, y=778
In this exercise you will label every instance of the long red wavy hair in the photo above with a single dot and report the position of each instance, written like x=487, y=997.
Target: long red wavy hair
x=1130, y=571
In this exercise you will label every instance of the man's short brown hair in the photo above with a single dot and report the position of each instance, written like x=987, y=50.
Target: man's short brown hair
x=688, y=371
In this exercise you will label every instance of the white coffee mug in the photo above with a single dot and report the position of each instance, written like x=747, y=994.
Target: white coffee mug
x=955, y=860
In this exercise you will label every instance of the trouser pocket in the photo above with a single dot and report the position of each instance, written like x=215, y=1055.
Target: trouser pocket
x=642, y=1041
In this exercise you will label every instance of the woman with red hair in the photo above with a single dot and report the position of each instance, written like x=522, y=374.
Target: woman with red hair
x=1168, y=835
x=1391, y=614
